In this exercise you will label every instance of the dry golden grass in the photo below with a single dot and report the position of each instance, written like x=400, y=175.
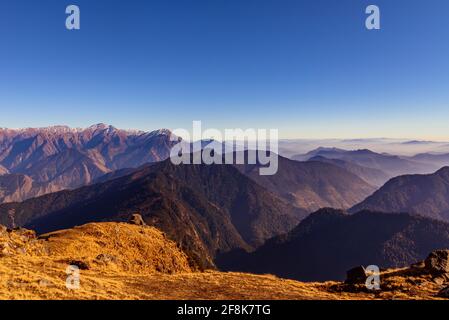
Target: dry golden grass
x=131, y=248
x=142, y=264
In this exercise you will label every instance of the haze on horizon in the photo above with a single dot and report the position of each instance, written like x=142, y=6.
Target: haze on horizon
x=308, y=68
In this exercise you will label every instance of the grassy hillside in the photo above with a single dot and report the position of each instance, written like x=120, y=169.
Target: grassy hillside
x=122, y=261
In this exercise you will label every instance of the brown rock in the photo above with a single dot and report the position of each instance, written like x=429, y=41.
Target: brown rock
x=105, y=258
x=137, y=220
x=25, y=233
x=356, y=275
x=438, y=262
x=5, y=249
x=444, y=293
x=439, y=280
x=80, y=264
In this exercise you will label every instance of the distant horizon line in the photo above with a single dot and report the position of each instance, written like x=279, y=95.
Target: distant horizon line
x=106, y=125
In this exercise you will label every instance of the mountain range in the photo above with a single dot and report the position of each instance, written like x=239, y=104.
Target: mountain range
x=387, y=165
x=203, y=208
x=230, y=216
x=401, y=147
x=206, y=209
x=312, y=185
x=374, y=177
x=436, y=159
x=38, y=161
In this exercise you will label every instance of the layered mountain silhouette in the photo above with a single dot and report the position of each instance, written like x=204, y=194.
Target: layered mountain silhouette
x=427, y=195
x=436, y=159
x=312, y=185
x=230, y=211
x=56, y=158
x=391, y=165
x=329, y=242
x=205, y=209
x=374, y=177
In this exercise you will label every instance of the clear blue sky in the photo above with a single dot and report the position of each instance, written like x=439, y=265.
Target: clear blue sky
x=307, y=67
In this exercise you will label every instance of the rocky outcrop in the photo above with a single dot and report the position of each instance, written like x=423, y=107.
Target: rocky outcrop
x=444, y=293
x=430, y=276
x=356, y=275
x=16, y=241
x=437, y=262
x=137, y=220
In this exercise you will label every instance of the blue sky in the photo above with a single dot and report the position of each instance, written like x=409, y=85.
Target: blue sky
x=307, y=67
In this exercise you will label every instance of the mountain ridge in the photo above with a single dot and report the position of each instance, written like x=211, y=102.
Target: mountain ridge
x=417, y=194
x=204, y=208
x=312, y=185
x=329, y=242
x=374, y=177
x=60, y=157
x=392, y=165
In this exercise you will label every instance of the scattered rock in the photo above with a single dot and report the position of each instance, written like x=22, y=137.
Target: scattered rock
x=137, y=220
x=80, y=264
x=25, y=234
x=105, y=258
x=439, y=280
x=5, y=249
x=444, y=293
x=438, y=262
x=356, y=275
